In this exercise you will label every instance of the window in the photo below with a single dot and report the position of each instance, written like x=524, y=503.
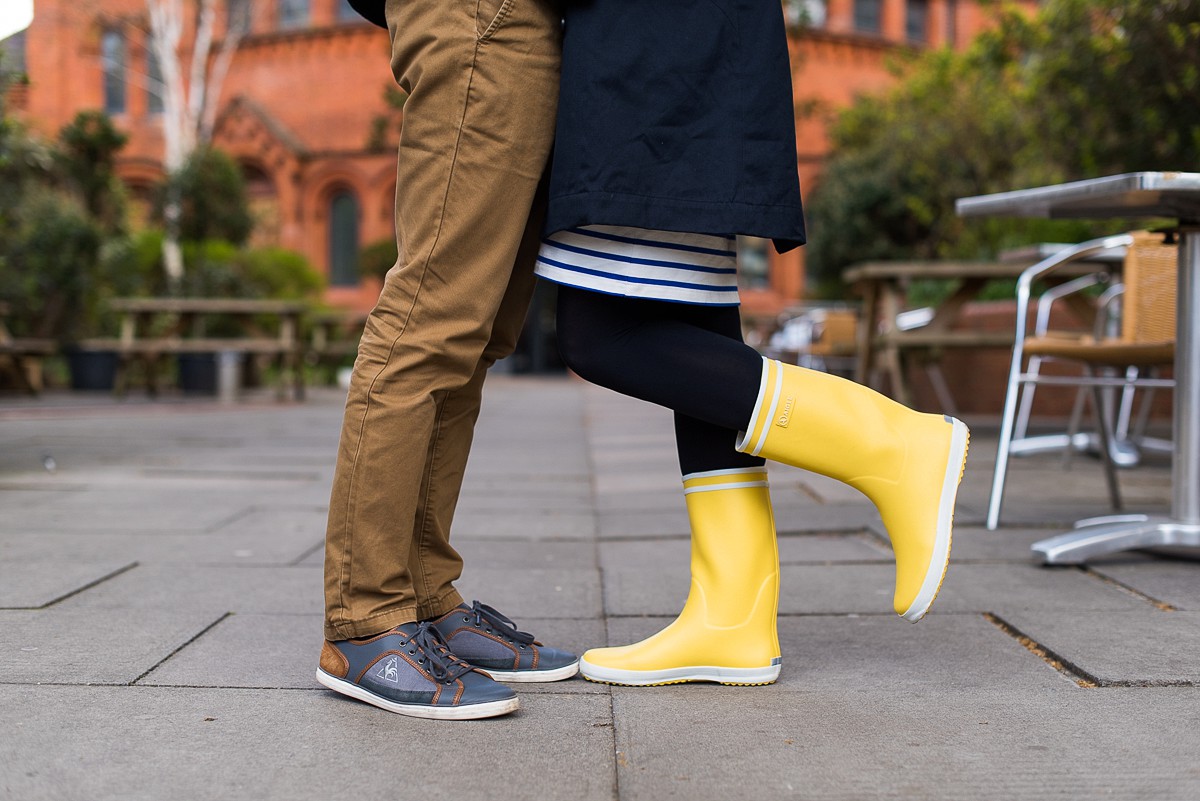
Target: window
x=346, y=12
x=753, y=263
x=951, y=22
x=343, y=239
x=916, y=20
x=237, y=16
x=154, y=82
x=868, y=16
x=293, y=13
x=112, y=56
x=12, y=54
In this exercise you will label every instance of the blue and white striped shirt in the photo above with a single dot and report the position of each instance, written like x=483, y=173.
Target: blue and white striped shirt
x=642, y=263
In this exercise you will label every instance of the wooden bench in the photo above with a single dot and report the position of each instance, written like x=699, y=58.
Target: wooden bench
x=334, y=336
x=185, y=332
x=21, y=359
x=884, y=348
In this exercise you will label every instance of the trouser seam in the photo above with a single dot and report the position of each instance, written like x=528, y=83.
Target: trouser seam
x=423, y=528
x=349, y=525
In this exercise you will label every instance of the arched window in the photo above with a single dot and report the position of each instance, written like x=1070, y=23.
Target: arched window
x=293, y=13
x=343, y=239
x=346, y=12
x=112, y=54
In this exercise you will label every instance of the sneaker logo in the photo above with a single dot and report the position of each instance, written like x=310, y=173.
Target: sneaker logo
x=786, y=416
x=389, y=672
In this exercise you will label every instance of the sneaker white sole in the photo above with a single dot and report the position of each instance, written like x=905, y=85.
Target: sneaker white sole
x=489, y=709
x=647, y=678
x=555, y=674
x=959, y=440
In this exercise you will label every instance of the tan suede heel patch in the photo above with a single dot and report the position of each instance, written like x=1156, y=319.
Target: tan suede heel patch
x=333, y=661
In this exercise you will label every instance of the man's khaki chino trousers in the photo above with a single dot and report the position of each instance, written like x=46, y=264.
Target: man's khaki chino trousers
x=482, y=84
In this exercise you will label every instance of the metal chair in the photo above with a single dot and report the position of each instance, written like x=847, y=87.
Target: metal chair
x=1119, y=359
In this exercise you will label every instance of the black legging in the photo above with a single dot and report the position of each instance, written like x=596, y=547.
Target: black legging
x=688, y=358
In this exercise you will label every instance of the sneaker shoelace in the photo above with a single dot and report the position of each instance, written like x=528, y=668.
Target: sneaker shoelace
x=486, y=616
x=443, y=665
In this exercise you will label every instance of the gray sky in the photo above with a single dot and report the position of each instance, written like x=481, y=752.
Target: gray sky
x=14, y=16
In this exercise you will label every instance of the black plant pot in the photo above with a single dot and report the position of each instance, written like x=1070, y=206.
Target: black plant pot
x=198, y=373
x=92, y=369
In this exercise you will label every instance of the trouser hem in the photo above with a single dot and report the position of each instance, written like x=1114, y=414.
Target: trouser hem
x=369, y=627
x=441, y=606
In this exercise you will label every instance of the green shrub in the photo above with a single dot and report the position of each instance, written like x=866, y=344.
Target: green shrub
x=52, y=267
x=377, y=258
x=213, y=200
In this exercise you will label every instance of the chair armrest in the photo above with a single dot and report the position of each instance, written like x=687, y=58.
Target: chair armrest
x=1046, y=301
x=1048, y=265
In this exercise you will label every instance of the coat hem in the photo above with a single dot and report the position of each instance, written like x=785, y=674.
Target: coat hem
x=784, y=225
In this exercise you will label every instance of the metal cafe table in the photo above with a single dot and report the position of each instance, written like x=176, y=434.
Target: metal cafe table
x=1142, y=194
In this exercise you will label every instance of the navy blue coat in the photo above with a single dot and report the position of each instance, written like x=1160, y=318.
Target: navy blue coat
x=678, y=115
x=674, y=114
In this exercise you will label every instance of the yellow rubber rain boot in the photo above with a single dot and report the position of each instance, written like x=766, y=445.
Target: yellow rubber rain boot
x=909, y=464
x=726, y=632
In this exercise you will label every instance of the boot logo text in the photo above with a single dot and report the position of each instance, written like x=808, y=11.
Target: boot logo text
x=786, y=416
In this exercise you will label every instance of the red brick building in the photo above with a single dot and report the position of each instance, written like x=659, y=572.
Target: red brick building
x=298, y=104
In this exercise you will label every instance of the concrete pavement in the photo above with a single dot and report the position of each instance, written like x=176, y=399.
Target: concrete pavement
x=160, y=618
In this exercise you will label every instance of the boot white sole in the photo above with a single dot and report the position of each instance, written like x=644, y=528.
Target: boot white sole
x=647, y=678
x=936, y=572
x=556, y=674
x=489, y=709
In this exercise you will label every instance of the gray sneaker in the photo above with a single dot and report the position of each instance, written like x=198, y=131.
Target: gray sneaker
x=410, y=671
x=490, y=641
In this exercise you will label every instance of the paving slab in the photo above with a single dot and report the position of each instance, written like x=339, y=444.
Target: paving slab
x=975, y=543
x=521, y=499
x=128, y=510
x=267, y=547
x=1176, y=582
x=995, y=587
x=868, y=588
x=151, y=743
x=224, y=511
x=277, y=519
x=793, y=549
x=273, y=590
x=631, y=525
x=1138, y=646
x=61, y=646
x=1012, y=742
x=34, y=584
x=841, y=653
x=519, y=555
x=281, y=651
x=535, y=592
x=527, y=523
x=788, y=519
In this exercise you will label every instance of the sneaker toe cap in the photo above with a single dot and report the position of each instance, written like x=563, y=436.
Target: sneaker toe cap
x=550, y=658
x=479, y=688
